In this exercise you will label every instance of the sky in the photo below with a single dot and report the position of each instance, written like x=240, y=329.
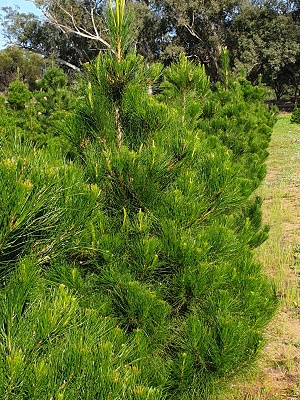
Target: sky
x=25, y=7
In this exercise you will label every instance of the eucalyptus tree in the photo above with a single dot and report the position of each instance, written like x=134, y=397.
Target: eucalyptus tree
x=263, y=35
x=39, y=35
x=163, y=29
x=266, y=40
x=22, y=64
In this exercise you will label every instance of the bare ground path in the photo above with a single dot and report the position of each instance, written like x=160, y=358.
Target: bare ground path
x=278, y=373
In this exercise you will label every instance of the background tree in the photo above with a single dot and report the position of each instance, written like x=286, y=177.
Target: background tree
x=164, y=28
x=265, y=40
x=54, y=100
x=36, y=115
x=263, y=36
x=200, y=28
x=39, y=35
x=18, y=63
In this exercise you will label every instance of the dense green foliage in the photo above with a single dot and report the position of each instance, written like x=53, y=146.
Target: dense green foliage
x=126, y=254
x=295, y=117
x=18, y=95
x=35, y=114
x=127, y=234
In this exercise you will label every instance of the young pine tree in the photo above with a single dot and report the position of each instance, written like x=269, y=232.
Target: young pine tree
x=175, y=228
x=154, y=293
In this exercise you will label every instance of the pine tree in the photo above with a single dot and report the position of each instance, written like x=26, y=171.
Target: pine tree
x=146, y=287
x=18, y=95
x=176, y=226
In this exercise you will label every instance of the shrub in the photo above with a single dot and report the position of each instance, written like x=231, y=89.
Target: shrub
x=18, y=95
x=295, y=117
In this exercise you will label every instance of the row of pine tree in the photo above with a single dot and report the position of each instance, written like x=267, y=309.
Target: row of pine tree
x=128, y=223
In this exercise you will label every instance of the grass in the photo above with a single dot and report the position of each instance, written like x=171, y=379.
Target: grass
x=281, y=191
x=277, y=374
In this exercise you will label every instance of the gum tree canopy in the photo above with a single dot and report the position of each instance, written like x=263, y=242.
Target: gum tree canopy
x=263, y=35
